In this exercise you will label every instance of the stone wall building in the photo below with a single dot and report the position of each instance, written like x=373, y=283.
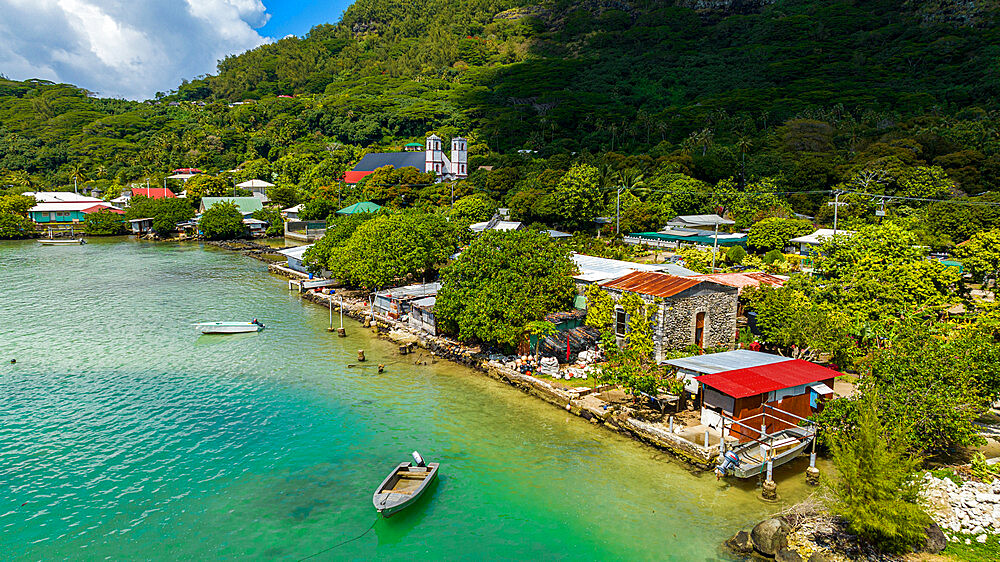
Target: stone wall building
x=687, y=311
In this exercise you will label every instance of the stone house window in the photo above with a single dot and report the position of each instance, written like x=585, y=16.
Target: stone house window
x=621, y=322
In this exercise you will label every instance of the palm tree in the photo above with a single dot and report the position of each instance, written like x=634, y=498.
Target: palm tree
x=628, y=179
x=743, y=145
x=77, y=175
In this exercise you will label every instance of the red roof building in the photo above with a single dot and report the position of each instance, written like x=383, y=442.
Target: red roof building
x=684, y=311
x=102, y=207
x=153, y=192
x=794, y=387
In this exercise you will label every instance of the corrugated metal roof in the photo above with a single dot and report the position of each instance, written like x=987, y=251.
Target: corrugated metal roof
x=374, y=161
x=698, y=220
x=766, y=378
x=65, y=206
x=593, y=268
x=425, y=303
x=652, y=283
x=412, y=291
x=295, y=253
x=725, y=361
x=59, y=197
x=741, y=279
x=820, y=236
x=246, y=205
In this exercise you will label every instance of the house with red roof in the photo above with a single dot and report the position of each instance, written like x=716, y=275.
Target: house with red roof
x=153, y=192
x=685, y=311
x=741, y=384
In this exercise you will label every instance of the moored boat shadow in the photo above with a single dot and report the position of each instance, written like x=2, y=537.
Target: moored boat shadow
x=393, y=530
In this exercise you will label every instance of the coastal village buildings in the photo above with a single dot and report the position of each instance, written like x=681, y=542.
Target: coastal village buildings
x=60, y=207
x=737, y=385
x=687, y=311
x=395, y=303
x=430, y=160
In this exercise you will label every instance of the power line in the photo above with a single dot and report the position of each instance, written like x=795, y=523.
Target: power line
x=889, y=198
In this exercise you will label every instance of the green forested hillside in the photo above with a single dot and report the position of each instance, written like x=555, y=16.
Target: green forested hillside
x=796, y=95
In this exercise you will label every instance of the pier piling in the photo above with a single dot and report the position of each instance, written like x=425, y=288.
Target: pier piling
x=342, y=332
x=361, y=355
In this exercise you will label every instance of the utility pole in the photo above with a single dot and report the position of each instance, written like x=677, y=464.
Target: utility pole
x=836, y=207
x=715, y=245
x=618, y=210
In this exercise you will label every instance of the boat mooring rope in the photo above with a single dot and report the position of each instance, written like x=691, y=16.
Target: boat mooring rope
x=342, y=543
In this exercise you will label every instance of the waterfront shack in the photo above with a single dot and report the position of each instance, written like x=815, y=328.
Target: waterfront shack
x=736, y=385
x=295, y=256
x=761, y=396
x=256, y=227
x=141, y=226
x=393, y=304
x=421, y=315
x=685, y=312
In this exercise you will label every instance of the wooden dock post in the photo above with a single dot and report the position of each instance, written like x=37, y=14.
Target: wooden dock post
x=812, y=473
x=381, y=367
x=329, y=303
x=361, y=355
x=770, y=490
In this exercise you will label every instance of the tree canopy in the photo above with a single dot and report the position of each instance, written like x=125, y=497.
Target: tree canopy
x=502, y=281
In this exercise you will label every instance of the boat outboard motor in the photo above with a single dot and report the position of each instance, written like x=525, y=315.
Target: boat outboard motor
x=418, y=459
x=730, y=460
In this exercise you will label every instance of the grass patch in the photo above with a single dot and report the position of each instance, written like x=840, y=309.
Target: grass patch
x=949, y=473
x=590, y=381
x=974, y=551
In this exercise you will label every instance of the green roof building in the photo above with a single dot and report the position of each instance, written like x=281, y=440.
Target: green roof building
x=246, y=205
x=362, y=207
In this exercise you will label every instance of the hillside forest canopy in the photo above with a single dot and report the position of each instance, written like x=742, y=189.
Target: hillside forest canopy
x=788, y=97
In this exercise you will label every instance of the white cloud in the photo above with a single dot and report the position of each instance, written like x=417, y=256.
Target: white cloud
x=124, y=48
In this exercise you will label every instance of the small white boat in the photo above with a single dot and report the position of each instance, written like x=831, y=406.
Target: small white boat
x=229, y=327
x=750, y=459
x=61, y=241
x=404, y=485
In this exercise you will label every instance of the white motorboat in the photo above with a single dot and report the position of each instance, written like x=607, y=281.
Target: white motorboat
x=750, y=459
x=229, y=327
x=61, y=241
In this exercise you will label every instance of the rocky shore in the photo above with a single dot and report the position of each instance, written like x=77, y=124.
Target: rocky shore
x=580, y=401
x=967, y=512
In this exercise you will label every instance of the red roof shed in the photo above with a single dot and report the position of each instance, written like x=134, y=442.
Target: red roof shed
x=752, y=381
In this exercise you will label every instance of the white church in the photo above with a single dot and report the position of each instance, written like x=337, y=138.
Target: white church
x=455, y=166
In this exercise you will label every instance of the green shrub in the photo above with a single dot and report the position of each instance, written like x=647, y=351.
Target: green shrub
x=735, y=255
x=223, y=221
x=774, y=256
x=104, y=223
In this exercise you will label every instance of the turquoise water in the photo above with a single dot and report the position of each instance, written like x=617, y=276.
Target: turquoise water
x=125, y=434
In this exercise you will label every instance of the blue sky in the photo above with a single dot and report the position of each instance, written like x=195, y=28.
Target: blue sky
x=289, y=17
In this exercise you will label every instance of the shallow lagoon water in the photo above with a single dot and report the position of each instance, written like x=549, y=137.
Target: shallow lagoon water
x=125, y=434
